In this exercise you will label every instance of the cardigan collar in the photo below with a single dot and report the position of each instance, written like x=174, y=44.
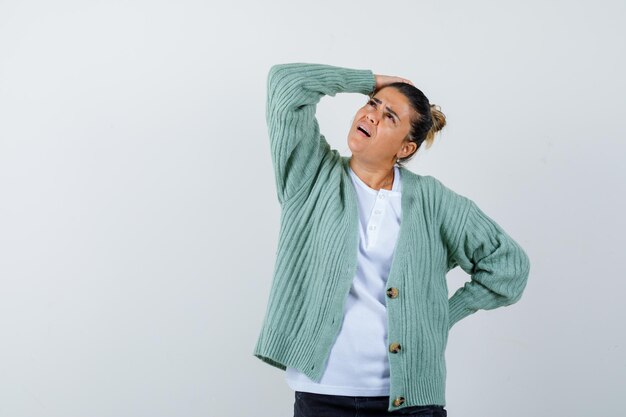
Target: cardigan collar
x=410, y=181
x=412, y=209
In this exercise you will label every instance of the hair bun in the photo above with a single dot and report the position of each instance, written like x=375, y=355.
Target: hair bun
x=439, y=119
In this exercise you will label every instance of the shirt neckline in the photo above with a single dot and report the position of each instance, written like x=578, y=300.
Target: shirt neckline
x=395, y=188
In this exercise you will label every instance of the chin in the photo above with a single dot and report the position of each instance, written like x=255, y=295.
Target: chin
x=351, y=144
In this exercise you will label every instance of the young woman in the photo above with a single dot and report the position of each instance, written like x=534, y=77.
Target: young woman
x=358, y=314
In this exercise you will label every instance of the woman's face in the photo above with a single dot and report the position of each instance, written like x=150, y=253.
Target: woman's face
x=386, y=118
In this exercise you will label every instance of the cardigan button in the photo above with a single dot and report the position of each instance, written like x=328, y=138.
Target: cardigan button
x=392, y=292
x=394, y=347
x=398, y=401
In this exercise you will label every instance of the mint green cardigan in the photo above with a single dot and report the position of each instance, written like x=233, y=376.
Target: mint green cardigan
x=318, y=242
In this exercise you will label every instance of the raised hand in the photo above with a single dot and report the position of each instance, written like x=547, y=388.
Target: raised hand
x=384, y=80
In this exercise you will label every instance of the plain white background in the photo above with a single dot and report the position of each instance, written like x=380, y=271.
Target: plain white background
x=139, y=220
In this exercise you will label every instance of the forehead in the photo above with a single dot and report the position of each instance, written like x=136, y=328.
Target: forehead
x=395, y=100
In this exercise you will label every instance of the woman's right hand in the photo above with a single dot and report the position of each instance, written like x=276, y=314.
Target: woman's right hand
x=384, y=80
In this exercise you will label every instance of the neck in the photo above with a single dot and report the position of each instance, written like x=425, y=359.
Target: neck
x=375, y=177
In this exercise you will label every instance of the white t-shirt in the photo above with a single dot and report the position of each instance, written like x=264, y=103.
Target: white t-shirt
x=358, y=364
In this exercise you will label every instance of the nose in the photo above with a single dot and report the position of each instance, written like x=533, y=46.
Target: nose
x=372, y=117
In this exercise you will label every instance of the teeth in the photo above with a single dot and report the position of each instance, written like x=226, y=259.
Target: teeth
x=363, y=129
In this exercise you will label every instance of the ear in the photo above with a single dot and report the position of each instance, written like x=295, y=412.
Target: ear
x=408, y=148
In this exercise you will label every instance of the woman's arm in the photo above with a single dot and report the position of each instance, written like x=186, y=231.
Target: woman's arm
x=498, y=265
x=293, y=91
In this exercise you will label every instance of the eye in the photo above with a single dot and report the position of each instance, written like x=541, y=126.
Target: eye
x=391, y=117
x=372, y=103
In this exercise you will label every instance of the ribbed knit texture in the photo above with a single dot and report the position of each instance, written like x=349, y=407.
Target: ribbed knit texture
x=318, y=241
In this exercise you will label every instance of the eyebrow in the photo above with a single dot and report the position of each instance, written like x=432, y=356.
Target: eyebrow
x=388, y=108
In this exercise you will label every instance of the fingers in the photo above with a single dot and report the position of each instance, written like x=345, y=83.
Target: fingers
x=383, y=80
x=404, y=80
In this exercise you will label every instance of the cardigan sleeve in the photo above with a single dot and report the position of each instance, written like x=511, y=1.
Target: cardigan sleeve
x=497, y=264
x=293, y=91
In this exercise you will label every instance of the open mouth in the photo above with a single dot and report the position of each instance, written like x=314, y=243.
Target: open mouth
x=363, y=131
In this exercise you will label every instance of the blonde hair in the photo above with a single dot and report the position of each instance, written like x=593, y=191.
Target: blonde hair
x=439, y=121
